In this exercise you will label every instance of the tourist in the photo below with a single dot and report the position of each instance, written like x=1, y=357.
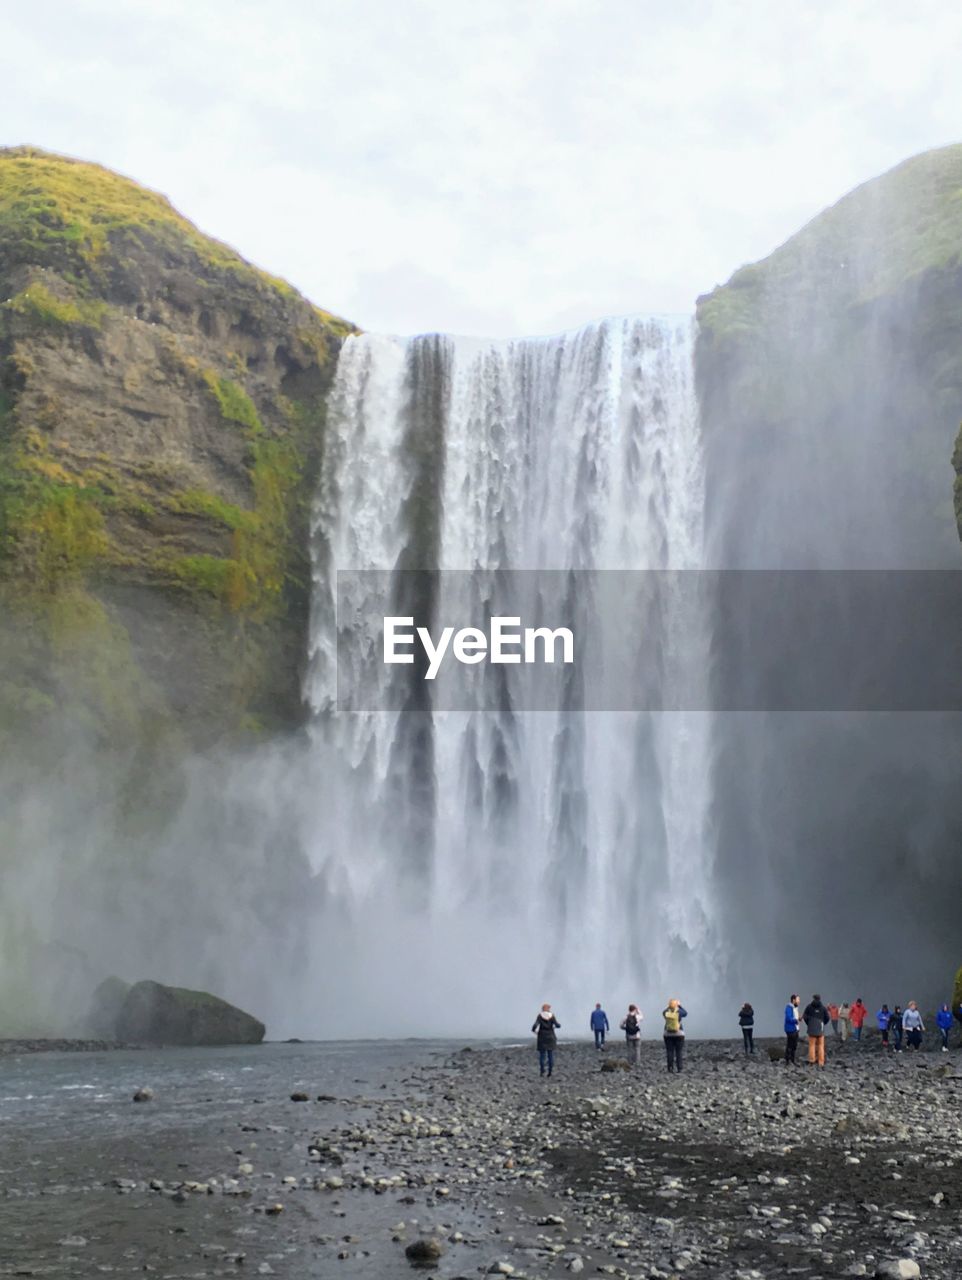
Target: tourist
x=546, y=1024
x=746, y=1020
x=883, y=1018
x=857, y=1016
x=833, y=1017
x=674, y=1015
x=914, y=1026
x=599, y=1025
x=897, y=1028
x=631, y=1026
x=944, y=1019
x=844, y=1019
x=791, y=1029
x=816, y=1020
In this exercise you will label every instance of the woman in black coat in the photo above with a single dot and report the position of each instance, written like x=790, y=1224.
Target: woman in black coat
x=546, y=1024
x=746, y=1020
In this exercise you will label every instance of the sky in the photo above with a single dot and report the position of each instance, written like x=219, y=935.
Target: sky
x=488, y=167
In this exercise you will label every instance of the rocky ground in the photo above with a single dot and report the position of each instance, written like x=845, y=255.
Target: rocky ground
x=735, y=1168
x=475, y=1165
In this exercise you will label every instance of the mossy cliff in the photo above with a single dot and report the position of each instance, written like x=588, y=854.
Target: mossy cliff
x=161, y=427
x=834, y=366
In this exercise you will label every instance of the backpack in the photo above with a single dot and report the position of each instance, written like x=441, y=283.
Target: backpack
x=672, y=1022
x=631, y=1025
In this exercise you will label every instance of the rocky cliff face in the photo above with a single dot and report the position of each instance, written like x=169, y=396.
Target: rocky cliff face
x=161, y=426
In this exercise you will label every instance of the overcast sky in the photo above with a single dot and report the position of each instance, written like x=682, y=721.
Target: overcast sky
x=488, y=166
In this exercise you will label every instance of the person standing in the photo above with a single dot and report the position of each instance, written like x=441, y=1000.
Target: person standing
x=791, y=1029
x=631, y=1026
x=674, y=1015
x=599, y=1025
x=914, y=1026
x=844, y=1020
x=857, y=1016
x=746, y=1020
x=545, y=1025
x=944, y=1019
x=833, y=1017
x=816, y=1020
x=896, y=1028
x=884, y=1018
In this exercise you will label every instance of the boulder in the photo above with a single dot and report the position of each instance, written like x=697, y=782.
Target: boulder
x=105, y=1005
x=155, y=1014
x=424, y=1252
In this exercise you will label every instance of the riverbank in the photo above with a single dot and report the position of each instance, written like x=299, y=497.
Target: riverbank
x=736, y=1168
x=13, y=1048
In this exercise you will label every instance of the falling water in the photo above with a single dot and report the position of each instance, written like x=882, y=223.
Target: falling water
x=487, y=859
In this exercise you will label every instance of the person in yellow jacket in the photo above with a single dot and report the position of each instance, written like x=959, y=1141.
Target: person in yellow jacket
x=673, y=1015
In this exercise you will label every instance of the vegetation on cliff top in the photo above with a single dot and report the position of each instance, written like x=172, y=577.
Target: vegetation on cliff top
x=64, y=211
x=885, y=232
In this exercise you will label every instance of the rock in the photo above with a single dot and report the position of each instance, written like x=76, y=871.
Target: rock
x=156, y=1014
x=144, y=1094
x=898, y=1269
x=73, y=1242
x=105, y=1005
x=576, y=1264
x=423, y=1252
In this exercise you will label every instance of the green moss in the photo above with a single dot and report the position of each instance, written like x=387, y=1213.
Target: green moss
x=342, y=328
x=38, y=304
x=262, y=550
x=51, y=529
x=197, y=502
x=233, y=401
x=205, y=575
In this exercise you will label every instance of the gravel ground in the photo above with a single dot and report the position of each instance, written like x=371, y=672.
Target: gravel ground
x=735, y=1168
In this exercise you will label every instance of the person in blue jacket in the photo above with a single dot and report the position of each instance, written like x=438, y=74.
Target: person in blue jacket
x=944, y=1019
x=792, y=1016
x=599, y=1025
x=884, y=1019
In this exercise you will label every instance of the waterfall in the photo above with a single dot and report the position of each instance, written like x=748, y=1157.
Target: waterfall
x=484, y=860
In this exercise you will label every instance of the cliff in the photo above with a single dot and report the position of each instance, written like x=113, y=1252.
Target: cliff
x=161, y=427
x=836, y=364
x=830, y=381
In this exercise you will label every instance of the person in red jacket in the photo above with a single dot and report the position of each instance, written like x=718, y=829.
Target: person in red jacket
x=858, y=1015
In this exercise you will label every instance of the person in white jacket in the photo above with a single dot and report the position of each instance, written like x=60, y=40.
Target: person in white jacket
x=914, y=1026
